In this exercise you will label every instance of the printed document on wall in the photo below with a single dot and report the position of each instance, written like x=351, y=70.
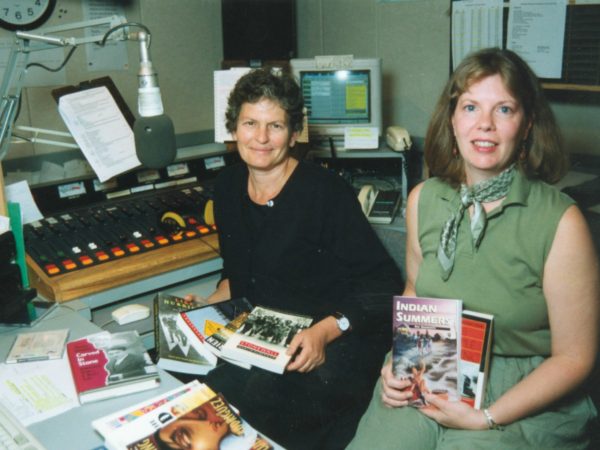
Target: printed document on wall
x=101, y=131
x=536, y=31
x=224, y=82
x=476, y=24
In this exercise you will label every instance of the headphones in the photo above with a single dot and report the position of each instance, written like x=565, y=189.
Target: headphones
x=173, y=222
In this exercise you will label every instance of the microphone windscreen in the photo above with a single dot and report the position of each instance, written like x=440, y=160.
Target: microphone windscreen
x=155, y=141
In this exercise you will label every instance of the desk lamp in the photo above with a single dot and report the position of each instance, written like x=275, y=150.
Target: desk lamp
x=153, y=130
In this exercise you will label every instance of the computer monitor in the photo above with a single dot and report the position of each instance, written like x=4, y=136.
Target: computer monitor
x=337, y=98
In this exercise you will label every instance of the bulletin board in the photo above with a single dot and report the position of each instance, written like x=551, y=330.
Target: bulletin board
x=581, y=52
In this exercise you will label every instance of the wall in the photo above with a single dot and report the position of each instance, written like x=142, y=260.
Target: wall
x=411, y=37
x=186, y=48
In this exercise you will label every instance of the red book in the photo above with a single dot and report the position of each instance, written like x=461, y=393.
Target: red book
x=476, y=349
x=106, y=365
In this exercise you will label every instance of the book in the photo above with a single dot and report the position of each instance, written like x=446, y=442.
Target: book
x=426, y=345
x=38, y=346
x=264, y=337
x=191, y=414
x=475, y=355
x=199, y=323
x=174, y=350
x=106, y=365
x=217, y=340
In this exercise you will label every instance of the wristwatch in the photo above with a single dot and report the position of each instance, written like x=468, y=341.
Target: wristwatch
x=342, y=322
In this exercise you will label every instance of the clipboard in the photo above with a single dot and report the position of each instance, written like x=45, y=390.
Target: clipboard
x=98, y=82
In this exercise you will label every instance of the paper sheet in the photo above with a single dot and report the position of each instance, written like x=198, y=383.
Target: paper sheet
x=20, y=193
x=224, y=82
x=536, y=31
x=100, y=130
x=36, y=391
x=361, y=138
x=476, y=24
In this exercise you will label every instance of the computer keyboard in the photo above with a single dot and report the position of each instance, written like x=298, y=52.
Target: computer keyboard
x=14, y=435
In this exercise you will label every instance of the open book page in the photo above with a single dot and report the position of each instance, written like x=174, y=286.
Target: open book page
x=101, y=131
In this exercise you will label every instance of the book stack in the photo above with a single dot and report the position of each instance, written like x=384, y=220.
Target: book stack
x=186, y=417
x=207, y=327
x=441, y=349
x=190, y=338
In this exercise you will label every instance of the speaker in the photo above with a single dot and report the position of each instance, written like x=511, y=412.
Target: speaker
x=259, y=29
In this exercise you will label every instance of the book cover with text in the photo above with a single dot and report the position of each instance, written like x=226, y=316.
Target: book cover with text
x=264, y=337
x=106, y=365
x=426, y=345
x=174, y=350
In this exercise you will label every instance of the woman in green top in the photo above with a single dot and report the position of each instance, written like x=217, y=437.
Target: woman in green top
x=488, y=229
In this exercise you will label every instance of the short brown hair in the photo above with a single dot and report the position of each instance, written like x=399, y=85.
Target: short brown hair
x=277, y=86
x=545, y=158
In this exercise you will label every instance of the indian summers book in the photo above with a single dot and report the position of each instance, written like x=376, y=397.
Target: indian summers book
x=426, y=345
x=475, y=354
x=174, y=350
x=264, y=337
x=106, y=365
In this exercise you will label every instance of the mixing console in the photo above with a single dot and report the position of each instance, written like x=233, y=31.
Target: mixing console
x=93, y=235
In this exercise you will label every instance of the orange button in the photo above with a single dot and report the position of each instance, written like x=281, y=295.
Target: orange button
x=86, y=260
x=117, y=251
x=162, y=240
x=101, y=256
x=132, y=247
x=52, y=269
x=202, y=229
x=190, y=233
x=147, y=244
x=69, y=264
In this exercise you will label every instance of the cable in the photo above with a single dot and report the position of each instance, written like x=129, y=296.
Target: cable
x=56, y=69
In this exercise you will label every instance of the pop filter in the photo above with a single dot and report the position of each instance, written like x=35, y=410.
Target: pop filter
x=155, y=141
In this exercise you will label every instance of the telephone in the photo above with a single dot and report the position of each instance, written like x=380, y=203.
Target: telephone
x=366, y=198
x=398, y=139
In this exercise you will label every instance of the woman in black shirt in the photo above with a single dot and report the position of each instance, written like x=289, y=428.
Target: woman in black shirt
x=293, y=237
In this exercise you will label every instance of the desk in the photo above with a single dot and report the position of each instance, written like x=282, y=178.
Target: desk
x=72, y=430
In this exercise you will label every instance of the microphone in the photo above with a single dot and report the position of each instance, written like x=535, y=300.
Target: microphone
x=153, y=131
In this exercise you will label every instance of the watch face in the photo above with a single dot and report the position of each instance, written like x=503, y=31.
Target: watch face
x=25, y=14
x=343, y=323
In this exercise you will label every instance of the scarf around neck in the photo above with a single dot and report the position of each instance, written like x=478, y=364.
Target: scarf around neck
x=483, y=192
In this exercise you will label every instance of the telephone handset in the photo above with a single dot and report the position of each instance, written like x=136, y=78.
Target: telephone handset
x=366, y=198
x=397, y=138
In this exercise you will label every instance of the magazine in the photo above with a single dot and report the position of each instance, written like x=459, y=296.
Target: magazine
x=426, y=345
x=263, y=338
x=168, y=417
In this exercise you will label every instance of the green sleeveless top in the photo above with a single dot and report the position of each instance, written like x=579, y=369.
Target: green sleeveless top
x=504, y=275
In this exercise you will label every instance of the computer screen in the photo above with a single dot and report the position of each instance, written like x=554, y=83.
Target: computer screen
x=338, y=98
